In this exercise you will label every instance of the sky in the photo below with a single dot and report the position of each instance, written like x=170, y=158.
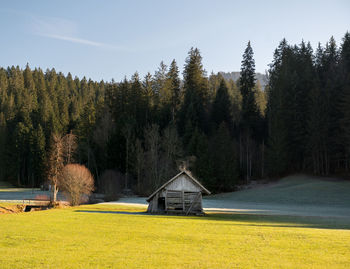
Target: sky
x=113, y=39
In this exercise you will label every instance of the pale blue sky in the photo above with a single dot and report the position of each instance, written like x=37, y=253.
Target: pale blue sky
x=111, y=39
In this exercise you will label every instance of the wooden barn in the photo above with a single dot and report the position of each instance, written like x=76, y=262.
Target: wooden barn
x=180, y=195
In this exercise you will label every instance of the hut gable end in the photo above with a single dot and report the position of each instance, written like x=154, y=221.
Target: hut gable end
x=183, y=183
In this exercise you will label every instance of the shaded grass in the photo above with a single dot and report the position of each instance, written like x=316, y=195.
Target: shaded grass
x=83, y=237
x=296, y=190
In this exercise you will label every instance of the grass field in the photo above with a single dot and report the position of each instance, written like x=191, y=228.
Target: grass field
x=280, y=233
x=114, y=236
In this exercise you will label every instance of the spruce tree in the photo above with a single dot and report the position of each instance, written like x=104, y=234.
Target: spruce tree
x=344, y=101
x=37, y=156
x=194, y=107
x=277, y=159
x=221, y=108
x=174, y=88
x=223, y=158
x=249, y=113
x=247, y=84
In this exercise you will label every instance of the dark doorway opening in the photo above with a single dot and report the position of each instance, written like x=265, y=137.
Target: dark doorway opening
x=161, y=203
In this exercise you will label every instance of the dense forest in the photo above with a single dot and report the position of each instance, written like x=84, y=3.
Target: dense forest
x=225, y=132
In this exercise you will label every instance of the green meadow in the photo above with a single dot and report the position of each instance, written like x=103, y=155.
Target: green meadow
x=115, y=236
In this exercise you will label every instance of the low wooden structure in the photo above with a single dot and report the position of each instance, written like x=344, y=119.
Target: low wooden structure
x=180, y=195
x=32, y=204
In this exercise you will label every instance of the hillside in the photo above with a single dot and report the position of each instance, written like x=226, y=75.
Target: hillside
x=293, y=195
x=262, y=78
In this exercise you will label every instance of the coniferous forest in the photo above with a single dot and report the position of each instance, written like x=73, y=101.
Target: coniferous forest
x=225, y=132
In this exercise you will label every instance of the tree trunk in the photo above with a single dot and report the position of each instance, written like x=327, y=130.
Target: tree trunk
x=127, y=164
x=262, y=158
x=247, y=160
x=54, y=192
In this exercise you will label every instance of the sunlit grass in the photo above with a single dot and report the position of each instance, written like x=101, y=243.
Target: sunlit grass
x=115, y=236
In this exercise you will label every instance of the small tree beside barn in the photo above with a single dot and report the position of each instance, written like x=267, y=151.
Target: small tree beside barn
x=180, y=195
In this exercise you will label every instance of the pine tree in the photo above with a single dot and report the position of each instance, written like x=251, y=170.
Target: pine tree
x=277, y=159
x=203, y=167
x=196, y=91
x=148, y=95
x=224, y=160
x=344, y=103
x=221, y=108
x=84, y=132
x=29, y=85
x=236, y=100
x=37, y=156
x=327, y=72
x=160, y=91
x=250, y=115
x=174, y=88
x=3, y=134
x=261, y=98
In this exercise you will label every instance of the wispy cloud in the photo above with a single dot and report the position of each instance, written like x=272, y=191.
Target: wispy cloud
x=76, y=40
x=83, y=41
x=66, y=30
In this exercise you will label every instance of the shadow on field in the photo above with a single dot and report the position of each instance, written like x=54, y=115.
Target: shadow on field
x=112, y=212
x=282, y=221
x=253, y=220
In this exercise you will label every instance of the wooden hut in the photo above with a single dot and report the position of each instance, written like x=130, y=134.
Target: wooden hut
x=180, y=195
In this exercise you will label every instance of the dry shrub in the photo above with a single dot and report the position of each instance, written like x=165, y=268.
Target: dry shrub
x=61, y=204
x=42, y=197
x=110, y=184
x=77, y=182
x=8, y=209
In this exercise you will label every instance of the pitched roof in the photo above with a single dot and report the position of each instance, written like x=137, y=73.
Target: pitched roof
x=175, y=177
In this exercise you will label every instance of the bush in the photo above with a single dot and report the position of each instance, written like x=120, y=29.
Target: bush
x=77, y=182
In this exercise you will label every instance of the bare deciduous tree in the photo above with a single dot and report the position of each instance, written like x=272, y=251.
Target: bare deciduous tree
x=56, y=164
x=77, y=182
x=69, y=147
x=61, y=153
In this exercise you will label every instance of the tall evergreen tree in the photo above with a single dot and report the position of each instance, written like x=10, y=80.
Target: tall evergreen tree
x=250, y=114
x=277, y=150
x=221, y=108
x=193, y=112
x=174, y=88
x=344, y=101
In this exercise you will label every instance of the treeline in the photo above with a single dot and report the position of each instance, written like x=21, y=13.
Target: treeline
x=308, y=112
x=33, y=107
x=226, y=133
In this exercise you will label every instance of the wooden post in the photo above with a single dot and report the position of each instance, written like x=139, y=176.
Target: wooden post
x=183, y=201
